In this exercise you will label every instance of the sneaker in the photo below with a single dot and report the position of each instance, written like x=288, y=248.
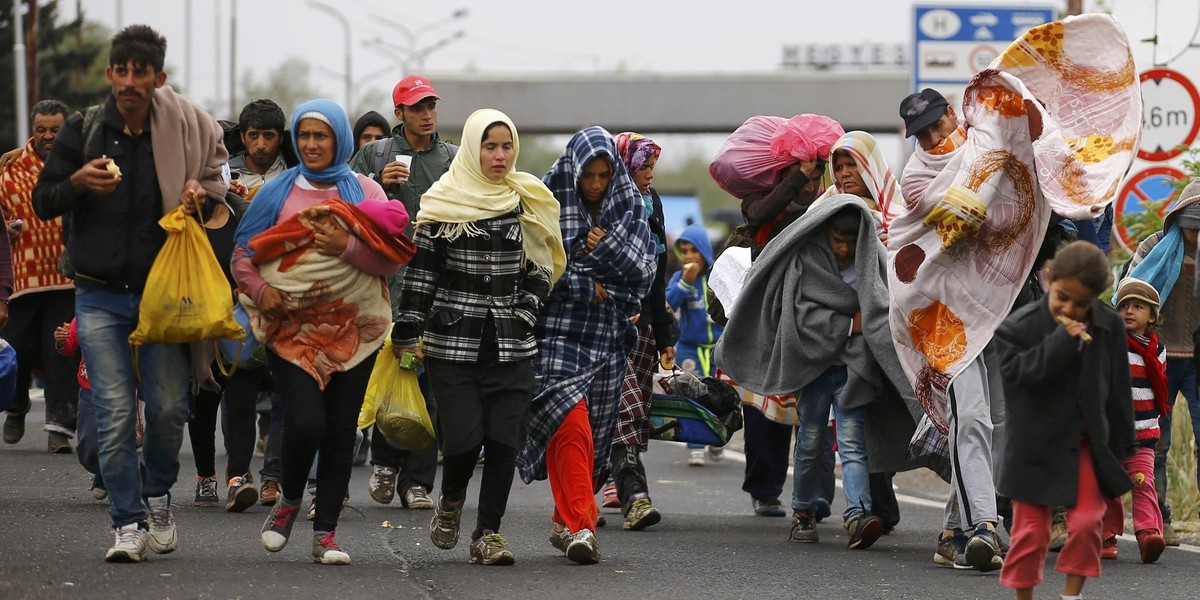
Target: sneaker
x=584, y=548
x=278, y=527
x=714, y=453
x=99, y=491
x=382, y=484
x=1151, y=545
x=1108, y=550
x=823, y=509
x=491, y=549
x=560, y=537
x=240, y=493
x=206, y=492
x=770, y=507
x=417, y=498
x=312, y=510
x=610, y=496
x=1169, y=536
x=269, y=494
x=696, y=459
x=950, y=548
x=804, y=528
x=326, y=550
x=641, y=515
x=129, y=545
x=862, y=530
x=14, y=428
x=163, y=537
x=443, y=527
x=1058, y=530
x=260, y=446
x=58, y=443
x=983, y=550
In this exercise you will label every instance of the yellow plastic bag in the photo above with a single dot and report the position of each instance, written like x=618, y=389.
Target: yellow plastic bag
x=187, y=298
x=395, y=404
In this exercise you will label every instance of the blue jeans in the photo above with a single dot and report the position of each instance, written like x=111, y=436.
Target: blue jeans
x=272, y=469
x=105, y=320
x=812, y=409
x=1181, y=377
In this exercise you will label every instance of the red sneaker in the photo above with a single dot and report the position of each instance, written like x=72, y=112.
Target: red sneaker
x=1109, y=550
x=1151, y=544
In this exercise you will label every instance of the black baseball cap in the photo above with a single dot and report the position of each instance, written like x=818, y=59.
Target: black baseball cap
x=921, y=110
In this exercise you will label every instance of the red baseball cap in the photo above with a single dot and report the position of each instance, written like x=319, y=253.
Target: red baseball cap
x=411, y=90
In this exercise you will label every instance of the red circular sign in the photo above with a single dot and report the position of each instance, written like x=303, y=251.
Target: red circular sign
x=1149, y=185
x=1156, y=116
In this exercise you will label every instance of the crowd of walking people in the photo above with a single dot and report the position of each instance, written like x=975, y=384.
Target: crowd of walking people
x=538, y=311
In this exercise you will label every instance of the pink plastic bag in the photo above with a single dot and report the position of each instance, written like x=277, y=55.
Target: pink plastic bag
x=750, y=159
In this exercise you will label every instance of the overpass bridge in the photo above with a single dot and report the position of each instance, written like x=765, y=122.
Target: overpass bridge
x=547, y=104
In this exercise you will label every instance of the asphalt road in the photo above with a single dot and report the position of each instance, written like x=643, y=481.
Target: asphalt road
x=708, y=545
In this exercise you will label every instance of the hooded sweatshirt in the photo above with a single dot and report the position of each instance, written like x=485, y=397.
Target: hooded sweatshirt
x=695, y=328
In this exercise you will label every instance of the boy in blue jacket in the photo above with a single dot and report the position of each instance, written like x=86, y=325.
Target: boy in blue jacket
x=698, y=334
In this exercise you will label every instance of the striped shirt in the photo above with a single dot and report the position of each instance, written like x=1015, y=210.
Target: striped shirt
x=1145, y=411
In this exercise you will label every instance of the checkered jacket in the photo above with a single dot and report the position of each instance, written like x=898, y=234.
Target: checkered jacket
x=452, y=286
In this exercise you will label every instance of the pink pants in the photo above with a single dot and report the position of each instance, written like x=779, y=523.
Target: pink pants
x=1146, y=514
x=1031, y=533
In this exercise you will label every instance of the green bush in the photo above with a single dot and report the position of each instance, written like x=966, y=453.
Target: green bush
x=1181, y=466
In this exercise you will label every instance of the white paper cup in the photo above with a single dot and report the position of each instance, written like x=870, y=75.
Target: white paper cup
x=405, y=160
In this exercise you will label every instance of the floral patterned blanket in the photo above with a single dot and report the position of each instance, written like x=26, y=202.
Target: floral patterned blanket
x=1053, y=124
x=337, y=314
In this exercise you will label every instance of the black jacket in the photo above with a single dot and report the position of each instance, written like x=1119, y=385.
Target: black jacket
x=654, y=305
x=111, y=240
x=1054, y=393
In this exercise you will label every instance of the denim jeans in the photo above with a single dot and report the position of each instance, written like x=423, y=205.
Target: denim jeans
x=272, y=469
x=106, y=319
x=1181, y=377
x=812, y=409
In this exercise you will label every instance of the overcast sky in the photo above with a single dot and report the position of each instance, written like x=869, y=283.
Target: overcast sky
x=546, y=36
x=513, y=36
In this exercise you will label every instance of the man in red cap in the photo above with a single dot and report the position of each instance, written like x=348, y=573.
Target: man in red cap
x=406, y=165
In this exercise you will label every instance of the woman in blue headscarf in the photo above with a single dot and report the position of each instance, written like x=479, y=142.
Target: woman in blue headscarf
x=310, y=265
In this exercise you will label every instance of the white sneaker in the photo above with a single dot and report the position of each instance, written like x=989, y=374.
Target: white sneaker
x=715, y=453
x=163, y=538
x=697, y=458
x=129, y=545
x=417, y=498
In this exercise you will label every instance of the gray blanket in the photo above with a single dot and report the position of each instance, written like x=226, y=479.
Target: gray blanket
x=795, y=311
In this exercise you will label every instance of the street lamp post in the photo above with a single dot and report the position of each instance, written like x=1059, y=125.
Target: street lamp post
x=347, y=75
x=415, y=54
x=19, y=82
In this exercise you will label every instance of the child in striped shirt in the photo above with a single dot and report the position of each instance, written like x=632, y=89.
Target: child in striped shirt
x=1138, y=303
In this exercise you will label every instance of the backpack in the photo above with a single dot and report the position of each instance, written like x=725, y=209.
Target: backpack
x=91, y=122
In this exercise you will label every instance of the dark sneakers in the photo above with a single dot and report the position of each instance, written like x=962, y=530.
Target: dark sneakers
x=804, y=527
x=949, y=548
x=983, y=550
x=863, y=530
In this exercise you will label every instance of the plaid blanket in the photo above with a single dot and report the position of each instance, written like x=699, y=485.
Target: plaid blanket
x=1053, y=125
x=633, y=415
x=583, y=345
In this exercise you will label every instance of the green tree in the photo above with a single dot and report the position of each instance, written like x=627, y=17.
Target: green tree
x=70, y=57
x=287, y=85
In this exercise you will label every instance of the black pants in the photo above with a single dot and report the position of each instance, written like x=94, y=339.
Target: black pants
x=413, y=467
x=628, y=472
x=319, y=420
x=202, y=430
x=32, y=319
x=483, y=405
x=767, y=447
x=883, y=500
x=241, y=432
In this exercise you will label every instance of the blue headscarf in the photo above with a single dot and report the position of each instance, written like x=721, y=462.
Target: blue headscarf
x=265, y=207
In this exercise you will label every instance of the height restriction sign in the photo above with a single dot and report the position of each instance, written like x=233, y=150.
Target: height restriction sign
x=1170, y=103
